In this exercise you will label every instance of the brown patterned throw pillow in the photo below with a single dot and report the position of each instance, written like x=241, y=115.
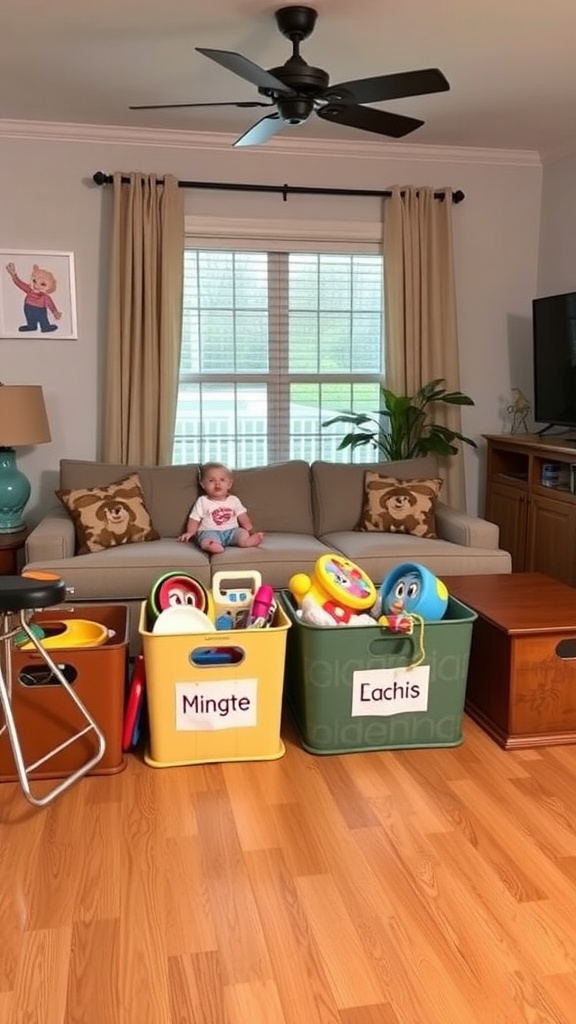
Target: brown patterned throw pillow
x=105, y=517
x=399, y=506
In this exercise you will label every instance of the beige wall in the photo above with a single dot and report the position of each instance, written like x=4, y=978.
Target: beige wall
x=48, y=202
x=557, y=253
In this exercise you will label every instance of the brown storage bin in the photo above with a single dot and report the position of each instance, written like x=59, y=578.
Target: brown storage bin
x=46, y=716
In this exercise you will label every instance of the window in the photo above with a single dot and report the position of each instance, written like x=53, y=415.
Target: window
x=273, y=344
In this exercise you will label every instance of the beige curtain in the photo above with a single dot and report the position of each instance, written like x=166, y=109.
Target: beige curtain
x=144, y=320
x=421, y=326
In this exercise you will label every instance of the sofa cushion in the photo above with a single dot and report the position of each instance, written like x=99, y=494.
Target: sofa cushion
x=379, y=553
x=277, y=496
x=277, y=559
x=107, y=517
x=127, y=572
x=392, y=505
x=338, y=488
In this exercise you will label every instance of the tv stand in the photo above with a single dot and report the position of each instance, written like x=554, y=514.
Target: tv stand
x=537, y=521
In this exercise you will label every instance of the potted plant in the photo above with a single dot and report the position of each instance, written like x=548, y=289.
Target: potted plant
x=402, y=429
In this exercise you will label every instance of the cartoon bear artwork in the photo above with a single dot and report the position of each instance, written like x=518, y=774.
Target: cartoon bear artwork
x=37, y=302
x=109, y=515
x=118, y=520
x=400, y=512
x=114, y=520
x=400, y=506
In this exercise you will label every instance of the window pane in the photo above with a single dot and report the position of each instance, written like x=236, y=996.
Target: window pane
x=216, y=422
x=313, y=404
x=335, y=313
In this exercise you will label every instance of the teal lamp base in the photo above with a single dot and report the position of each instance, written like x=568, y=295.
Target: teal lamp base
x=14, y=492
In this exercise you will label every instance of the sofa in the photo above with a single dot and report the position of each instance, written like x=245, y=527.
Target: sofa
x=304, y=510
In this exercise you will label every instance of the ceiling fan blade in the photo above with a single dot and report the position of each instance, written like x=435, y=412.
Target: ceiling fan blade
x=260, y=132
x=174, y=106
x=369, y=120
x=240, y=65
x=392, y=87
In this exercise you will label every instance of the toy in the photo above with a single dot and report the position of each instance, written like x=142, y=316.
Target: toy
x=178, y=589
x=134, y=706
x=338, y=593
x=263, y=607
x=70, y=633
x=181, y=619
x=411, y=590
x=233, y=594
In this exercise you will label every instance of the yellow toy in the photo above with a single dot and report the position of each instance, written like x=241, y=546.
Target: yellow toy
x=70, y=633
x=338, y=593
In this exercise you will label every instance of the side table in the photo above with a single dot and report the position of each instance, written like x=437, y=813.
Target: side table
x=10, y=545
x=522, y=670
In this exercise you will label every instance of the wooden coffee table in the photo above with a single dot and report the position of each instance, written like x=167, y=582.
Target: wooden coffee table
x=522, y=674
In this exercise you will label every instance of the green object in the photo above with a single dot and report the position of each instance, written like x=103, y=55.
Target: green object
x=324, y=667
x=401, y=429
x=21, y=637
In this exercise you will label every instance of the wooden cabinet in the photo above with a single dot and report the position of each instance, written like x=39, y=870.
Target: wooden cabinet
x=537, y=519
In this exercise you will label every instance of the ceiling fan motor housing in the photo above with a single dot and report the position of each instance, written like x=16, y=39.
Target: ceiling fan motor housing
x=295, y=111
x=299, y=76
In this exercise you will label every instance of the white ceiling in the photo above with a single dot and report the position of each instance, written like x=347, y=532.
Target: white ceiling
x=511, y=64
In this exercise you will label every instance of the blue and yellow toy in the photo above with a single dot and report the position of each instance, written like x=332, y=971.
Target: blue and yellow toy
x=412, y=589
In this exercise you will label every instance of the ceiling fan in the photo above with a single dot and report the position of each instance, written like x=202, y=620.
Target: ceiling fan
x=297, y=90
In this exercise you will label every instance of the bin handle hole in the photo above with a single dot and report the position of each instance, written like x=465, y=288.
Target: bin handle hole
x=393, y=644
x=209, y=657
x=42, y=675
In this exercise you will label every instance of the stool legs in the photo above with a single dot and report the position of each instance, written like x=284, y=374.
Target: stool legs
x=24, y=771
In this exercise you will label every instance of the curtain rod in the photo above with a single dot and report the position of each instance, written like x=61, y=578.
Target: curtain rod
x=100, y=178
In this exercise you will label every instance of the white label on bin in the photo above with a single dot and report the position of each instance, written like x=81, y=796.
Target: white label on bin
x=227, y=705
x=390, y=691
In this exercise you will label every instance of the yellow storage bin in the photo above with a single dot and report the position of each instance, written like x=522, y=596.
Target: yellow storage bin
x=214, y=696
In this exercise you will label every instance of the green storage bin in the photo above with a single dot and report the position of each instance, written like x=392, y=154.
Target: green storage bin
x=345, y=697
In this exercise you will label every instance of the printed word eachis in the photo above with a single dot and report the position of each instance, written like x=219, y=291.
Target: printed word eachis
x=370, y=693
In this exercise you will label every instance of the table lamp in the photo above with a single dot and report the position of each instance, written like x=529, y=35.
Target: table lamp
x=23, y=422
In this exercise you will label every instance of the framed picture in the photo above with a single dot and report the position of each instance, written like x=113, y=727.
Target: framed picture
x=37, y=294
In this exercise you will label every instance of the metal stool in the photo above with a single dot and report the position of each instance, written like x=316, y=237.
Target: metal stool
x=19, y=597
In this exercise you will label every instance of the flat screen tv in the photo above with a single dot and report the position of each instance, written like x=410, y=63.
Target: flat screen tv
x=554, y=346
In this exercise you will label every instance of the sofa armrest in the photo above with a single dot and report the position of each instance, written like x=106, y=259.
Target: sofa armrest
x=461, y=528
x=54, y=537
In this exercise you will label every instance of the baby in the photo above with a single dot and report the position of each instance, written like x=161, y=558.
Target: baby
x=218, y=519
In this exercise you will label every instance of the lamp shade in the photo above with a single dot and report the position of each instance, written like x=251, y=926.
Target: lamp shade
x=23, y=419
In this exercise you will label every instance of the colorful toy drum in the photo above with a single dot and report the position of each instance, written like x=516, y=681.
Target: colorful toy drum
x=336, y=584
x=176, y=589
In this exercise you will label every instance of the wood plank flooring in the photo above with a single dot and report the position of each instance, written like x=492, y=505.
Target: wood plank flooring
x=407, y=887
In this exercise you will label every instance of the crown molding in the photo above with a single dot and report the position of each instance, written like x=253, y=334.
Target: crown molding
x=289, y=145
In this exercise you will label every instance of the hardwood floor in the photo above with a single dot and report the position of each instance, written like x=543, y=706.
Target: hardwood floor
x=407, y=887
